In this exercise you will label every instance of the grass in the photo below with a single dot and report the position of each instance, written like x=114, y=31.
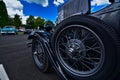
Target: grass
x=20, y=33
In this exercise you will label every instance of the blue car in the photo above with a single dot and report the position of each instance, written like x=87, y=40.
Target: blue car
x=9, y=30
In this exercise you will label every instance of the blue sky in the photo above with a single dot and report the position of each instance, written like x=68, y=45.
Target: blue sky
x=49, y=12
x=44, y=8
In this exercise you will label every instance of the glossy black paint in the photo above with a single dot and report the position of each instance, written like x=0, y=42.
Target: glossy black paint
x=48, y=50
x=110, y=15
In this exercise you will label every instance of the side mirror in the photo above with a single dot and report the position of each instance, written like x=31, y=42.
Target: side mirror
x=111, y=1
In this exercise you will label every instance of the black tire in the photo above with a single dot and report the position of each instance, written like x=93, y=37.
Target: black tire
x=101, y=34
x=39, y=56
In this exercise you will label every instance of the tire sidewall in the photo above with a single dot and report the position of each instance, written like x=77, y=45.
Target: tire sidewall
x=109, y=64
x=41, y=68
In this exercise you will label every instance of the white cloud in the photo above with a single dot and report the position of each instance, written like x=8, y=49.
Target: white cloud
x=15, y=7
x=99, y=2
x=58, y=2
x=24, y=18
x=44, y=3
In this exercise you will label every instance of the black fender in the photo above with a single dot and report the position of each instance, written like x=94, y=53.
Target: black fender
x=53, y=59
x=36, y=34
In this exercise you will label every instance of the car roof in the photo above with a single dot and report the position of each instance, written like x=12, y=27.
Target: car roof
x=9, y=26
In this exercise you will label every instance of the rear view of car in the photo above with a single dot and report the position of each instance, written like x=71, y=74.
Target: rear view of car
x=9, y=30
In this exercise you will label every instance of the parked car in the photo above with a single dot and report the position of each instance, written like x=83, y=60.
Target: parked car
x=0, y=30
x=28, y=31
x=21, y=29
x=9, y=30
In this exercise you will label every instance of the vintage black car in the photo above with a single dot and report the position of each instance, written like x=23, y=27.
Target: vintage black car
x=85, y=45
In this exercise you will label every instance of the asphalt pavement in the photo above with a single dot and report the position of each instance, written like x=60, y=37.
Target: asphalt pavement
x=17, y=60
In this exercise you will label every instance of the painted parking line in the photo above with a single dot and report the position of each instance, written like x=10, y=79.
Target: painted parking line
x=3, y=74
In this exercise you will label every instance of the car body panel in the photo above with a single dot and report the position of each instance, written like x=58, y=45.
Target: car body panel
x=9, y=30
x=110, y=15
x=64, y=11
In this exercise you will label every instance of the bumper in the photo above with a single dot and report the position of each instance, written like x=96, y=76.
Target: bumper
x=8, y=32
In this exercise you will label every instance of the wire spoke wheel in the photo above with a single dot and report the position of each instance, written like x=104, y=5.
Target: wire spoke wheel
x=80, y=50
x=39, y=55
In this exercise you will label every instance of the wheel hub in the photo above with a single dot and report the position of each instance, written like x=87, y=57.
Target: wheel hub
x=74, y=48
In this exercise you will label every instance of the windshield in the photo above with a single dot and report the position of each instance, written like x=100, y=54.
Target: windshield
x=117, y=0
x=97, y=5
x=8, y=27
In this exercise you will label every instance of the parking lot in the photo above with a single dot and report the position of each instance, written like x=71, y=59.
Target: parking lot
x=17, y=60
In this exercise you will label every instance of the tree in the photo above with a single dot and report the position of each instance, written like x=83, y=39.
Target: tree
x=39, y=22
x=3, y=14
x=30, y=21
x=49, y=23
x=17, y=21
x=10, y=21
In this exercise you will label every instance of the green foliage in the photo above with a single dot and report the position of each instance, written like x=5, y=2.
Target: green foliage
x=3, y=14
x=50, y=23
x=17, y=21
x=10, y=21
x=35, y=23
x=30, y=21
x=39, y=22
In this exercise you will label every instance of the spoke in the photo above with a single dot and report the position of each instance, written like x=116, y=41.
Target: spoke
x=86, y=37
x=94, y=49
x=73, y=64
x=85, y=50
x=76, y=66
x=94, y=44
x=77, y=34
x=91, y=58
x=90, y=38
x=62, y=39
x=82, y=32
x=87, y=57
x=74, y=34
x=62, y=50
x=64, y=44
x=67, y=38
x=81, y=66
x=97, y=51
x=91, y=62
x=86, y=65
x=66, y=58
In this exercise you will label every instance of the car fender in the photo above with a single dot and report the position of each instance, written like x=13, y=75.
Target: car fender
x=35, y=34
